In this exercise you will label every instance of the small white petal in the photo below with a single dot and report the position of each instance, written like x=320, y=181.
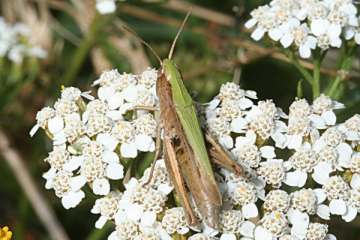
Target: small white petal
x=183, y=230
x=108, y=141
x=247, y=229
x=213, y=104
x=72, y=199
x=148, y=219
x=250, y=210
x=238, y=125
x=115, y=171
x=258, y=34
x=319, y=26
x=227, y=236
x=115, y=101
x=304, y=51
x=251, y=94
x=226, y=141
x=337, y=207
x=73, y=163
x=350, y=214
x=165, y=188
x=105, y=93
x=317, y=121
x=34, y=129
x=113, y=236
x=267, y=152
x=262, y=234
x=330, y=237
x=344, y=151
x=209, y=231
x=101, y=186
x=329, y=117
x=144, y=143
x=357, y=38
x=296, y=178
x=76, y=183
x=355, y=181
x=275, y=34
x=59, y=138
x=250, y=23
x=134, y=211
x=334, y=30
x=320, y=195
x=323, y=211
x=245, y=103
x=294, y=141
x=55, y=125
x=322, y=172
x=87, y=95
x=299, y=220
x=114, y=115
x=128, y=150
x=101, y=222
x=106, y=6
x=287, y=40
x=110, y=157
x=130, y=93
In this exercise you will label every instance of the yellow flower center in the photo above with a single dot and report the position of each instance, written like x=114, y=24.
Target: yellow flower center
x=5, y=233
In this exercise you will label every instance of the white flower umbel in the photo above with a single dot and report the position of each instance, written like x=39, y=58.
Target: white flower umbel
x=15, y=43
x=95, y=140
x=307, y=25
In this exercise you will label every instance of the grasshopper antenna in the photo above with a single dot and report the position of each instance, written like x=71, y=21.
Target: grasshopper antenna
x=132, y=32
x=178, y=34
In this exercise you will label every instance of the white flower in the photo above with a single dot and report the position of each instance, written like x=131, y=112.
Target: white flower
x=351, y=128
x=106, y=207
x=273, y=172
x=66, y=187
x=277, y=200
x=105, y=6
x=243, y=193
x=174, y=221
x=328, y=34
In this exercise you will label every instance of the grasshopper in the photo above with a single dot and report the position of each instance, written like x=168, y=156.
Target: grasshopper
x=187, y=152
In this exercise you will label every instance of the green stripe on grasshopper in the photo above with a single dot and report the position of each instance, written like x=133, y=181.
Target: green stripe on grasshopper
x=190, y=123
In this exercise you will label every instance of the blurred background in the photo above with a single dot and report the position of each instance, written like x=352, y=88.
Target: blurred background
x=71, y=44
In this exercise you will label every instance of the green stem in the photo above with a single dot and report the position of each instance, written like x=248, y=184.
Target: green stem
x=342, y=72
x=316, y=77
x=98, y=234
x=86, y=44
x=307, y=76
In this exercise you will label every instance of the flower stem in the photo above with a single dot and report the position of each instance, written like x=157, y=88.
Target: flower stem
x=84, y=47
x=342, y=72
x=316, y=78
x=307, y=76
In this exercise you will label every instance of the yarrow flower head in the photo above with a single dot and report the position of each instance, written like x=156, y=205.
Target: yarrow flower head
x=15, y=44
x=306, y=25
x=103, y=142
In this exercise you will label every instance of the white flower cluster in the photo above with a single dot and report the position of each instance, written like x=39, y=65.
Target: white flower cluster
x=306, y=24
x=322, y=165
x=95, y=140
x=14, y=42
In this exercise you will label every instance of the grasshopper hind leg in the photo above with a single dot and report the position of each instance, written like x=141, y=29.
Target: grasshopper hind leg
x=156, y=156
